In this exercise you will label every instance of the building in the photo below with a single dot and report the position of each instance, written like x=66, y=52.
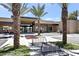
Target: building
x=72, y=26
x=30, y=24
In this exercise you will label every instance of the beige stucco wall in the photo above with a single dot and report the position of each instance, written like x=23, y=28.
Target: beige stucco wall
x=77, y=25
x=71, y=26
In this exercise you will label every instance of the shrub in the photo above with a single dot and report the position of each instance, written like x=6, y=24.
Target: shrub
x=21, y=51
x=66, y=46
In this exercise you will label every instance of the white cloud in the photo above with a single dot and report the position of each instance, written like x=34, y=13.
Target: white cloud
x=52, y=19
x=48, y=19
x=78, y=17
x=1, y=6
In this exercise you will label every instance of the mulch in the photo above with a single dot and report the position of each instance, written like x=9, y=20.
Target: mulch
x=31, y=37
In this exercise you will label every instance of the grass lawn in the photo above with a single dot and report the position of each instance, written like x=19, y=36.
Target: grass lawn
x=67, y=46
x=10, y=51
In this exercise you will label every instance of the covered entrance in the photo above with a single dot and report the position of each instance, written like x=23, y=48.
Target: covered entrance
x=26, y=24
x=26, y=28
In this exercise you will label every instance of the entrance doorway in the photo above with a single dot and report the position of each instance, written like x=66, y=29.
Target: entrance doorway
x=29, y=29
x=26, y=28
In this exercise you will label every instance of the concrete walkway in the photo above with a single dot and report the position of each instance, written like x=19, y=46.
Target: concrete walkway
x=50, y=50
x=9, y=41
x=36, y=50
x=2, y=41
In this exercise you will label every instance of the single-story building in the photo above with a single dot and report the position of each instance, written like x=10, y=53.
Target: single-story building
x=30, y=24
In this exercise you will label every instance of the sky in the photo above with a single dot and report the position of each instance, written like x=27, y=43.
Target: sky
x=54, y=11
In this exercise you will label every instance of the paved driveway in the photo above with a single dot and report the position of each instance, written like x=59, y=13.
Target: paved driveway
x=72, y=38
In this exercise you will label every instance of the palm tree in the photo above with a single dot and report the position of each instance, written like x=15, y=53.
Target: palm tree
x=16, y=17
x=64, y=21
x=38, y=12
x=73, y=15
x=17, y=10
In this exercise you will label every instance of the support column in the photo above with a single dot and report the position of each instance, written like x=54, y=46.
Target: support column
x=33, y=26
x=25, y=30
x=47, y=28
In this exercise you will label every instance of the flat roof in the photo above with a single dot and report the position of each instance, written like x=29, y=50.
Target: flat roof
x=28, y=20
x=29, y=17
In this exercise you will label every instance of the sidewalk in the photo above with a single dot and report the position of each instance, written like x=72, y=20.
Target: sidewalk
x=36, y=50
x=51, y=50
x=2, y=41
x=9, y=41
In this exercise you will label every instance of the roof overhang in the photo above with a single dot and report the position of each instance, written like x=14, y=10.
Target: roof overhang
x=26, y=20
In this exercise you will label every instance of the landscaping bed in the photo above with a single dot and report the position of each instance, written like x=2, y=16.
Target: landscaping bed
x=68, y=46
x=31, y=37
x=10, y=51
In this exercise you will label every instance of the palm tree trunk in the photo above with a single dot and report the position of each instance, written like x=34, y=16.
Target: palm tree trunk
x=64, y=22
x=16, y=14
x=38, y=26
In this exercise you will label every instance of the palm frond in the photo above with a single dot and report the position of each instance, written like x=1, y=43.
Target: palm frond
x=22, y=12
x=43, y=7
x=7, y=6
x=34, y=10
x=23, y=9
x=38, y=11
x=44, y=13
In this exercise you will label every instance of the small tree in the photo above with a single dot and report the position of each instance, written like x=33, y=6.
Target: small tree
x=38, y=12
x=73, y=15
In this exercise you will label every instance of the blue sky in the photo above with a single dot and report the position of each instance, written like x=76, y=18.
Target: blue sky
x=54, y=11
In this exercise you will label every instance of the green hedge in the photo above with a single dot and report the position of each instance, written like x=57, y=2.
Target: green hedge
x=66, y=46
x=21, y=51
